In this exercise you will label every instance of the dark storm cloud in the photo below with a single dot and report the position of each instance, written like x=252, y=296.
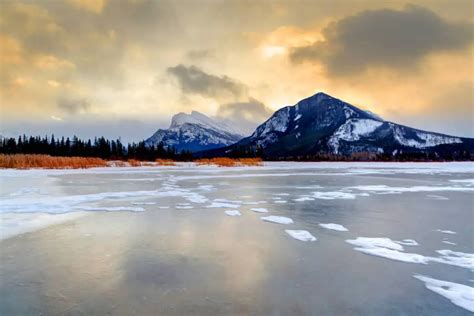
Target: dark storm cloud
x=73, y=106
x=384, y=38
x=196, y=81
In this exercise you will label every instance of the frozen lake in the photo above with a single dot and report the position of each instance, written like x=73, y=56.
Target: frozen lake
x=282, y=239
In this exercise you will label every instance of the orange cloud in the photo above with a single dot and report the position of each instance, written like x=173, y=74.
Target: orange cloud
x=94, y=6
x=11, y=51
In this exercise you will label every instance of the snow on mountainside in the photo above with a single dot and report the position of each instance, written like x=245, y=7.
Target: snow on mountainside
x=322, y=124
x=194, y=132
x=352, y=130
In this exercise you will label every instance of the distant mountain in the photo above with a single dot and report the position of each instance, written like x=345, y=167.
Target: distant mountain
x=323, y=125
x=195, y=132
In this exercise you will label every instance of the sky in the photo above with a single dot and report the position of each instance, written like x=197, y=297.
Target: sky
x=123, y=68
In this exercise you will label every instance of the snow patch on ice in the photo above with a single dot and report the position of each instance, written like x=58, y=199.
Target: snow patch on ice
x=334, y=195
x=388, y=189
x=303, y=198
x=302, y=235
x=438, y=197
x=456, y=258
x=223, y=205
x=232, y=213
x=386, y=248
x=408, y=242
x=459, y=294
x=464, y=181
x=450, y=232
x=277, y=219
x=389, y=249
x=259, y=210
x=447, y=242
x=333, y=226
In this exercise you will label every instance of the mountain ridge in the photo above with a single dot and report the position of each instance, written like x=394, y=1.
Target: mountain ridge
x=324, y=125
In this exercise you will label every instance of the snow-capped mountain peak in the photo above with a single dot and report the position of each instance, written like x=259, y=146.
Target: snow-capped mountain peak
x=194, y=132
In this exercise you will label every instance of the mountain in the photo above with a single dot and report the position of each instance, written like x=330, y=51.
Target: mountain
x=195, y=132
x=324, y=125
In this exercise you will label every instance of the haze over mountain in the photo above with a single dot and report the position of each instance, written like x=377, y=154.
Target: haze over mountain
x=195, y=132
x=322, y=124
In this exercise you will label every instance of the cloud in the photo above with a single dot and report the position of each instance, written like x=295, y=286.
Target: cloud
x=200, y=54
x=246, y=115
x=385, y=37
x=94, y=6
x=194, y=80
x=73, y=105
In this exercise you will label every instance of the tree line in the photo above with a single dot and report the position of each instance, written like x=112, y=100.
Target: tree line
x=99, y=147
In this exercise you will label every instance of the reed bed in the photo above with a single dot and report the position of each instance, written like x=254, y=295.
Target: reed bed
x=26, y=161
x=229, y=162
x=165, y=162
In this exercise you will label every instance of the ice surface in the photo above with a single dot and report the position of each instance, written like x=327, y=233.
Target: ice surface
x=143, y=203
x=259, y=210
x=281, y=202
x=459, y=294
x=24, y=191
x=110, y=208
x=13, y=224
x=302, y=235
x=233, y=213
x=333, y=226
x=277, y=219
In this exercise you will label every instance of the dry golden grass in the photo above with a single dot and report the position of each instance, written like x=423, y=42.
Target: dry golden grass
x=251, y=161
x=118, y=163
x=165, y=162
x=20, y=161
x=229, y=162
x=134, y=163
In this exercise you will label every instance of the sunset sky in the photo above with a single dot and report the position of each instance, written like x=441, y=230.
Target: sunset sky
x=123, y=68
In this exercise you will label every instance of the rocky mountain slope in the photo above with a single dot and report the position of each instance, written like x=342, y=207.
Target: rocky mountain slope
x=324, y=125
